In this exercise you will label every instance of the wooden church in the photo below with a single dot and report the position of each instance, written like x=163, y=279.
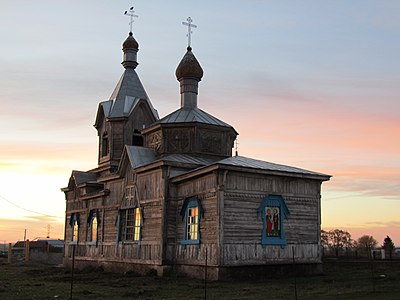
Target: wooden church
x=167, y=194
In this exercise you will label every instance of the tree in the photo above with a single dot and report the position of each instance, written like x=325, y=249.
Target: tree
x=336, y=240
x=324, y=238
x=339, y=239
x=366, y=243
x=388, y=245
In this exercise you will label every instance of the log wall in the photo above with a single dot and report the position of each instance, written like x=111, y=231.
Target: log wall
x=149, y=197
x=205, y=189
x=242, y=226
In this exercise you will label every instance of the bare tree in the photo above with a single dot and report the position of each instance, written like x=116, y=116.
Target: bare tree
x=366, y=243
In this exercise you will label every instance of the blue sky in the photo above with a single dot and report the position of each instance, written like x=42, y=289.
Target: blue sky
x=313, y=84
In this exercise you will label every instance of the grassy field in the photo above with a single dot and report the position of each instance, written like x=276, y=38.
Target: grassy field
x=341, y=280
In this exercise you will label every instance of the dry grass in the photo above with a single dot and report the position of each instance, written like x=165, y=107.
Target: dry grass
x=341, y=280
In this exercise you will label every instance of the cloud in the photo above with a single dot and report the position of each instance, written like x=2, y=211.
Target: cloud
x=45, y=219
x=391, y=223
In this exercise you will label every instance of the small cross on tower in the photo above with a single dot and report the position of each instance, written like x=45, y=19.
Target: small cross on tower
x=190, y=26
x=131, y=13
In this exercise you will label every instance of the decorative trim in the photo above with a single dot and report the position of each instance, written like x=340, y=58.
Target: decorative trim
x=276, y=203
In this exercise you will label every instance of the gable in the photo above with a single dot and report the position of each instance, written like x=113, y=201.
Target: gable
x=103, y=112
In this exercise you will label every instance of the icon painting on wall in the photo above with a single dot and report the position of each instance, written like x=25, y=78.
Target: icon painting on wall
x=273, y=221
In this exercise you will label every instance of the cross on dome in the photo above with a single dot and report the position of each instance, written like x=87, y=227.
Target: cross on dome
x=190, y=26
x=131, y=13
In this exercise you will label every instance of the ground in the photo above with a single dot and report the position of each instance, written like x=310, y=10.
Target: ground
x=341, y=280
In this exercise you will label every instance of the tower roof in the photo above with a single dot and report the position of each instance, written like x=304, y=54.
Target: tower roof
x=189, y=67
x=126, y=94
x=129, y=90
x=189, y=115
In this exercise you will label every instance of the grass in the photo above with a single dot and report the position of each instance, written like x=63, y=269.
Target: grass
x=341, y=280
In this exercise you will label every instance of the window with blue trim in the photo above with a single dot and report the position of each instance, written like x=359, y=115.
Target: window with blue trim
x=191, y=213
x=74, y=222
x=273, y=211
x=129, y=224
x=93, y=221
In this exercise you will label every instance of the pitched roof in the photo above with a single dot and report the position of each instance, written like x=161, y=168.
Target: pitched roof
x=192, y=114
x=79, y=177
x=142, y=156
x=126, y=95
x=241, y=161
x=253, y=164
x=83, y=177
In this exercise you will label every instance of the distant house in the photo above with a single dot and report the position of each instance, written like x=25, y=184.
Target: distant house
x=34, y=247
x=40, y=246
x=168, y=195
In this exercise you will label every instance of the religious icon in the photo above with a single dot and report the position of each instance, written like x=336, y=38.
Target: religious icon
x=276, y=226
x=272, y=218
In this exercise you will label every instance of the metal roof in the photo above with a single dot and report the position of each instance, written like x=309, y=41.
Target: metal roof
x=82, y=177
x=142, y=156
x=192, y=114
x=188, y=159
x=241, y=161
x=126, y=95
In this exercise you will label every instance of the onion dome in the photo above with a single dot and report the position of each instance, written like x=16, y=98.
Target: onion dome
x=130, y=42
x=189, y=67
x=130, y=48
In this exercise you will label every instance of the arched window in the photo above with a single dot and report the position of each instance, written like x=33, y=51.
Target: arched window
x=273, y=211
x=191, y=213
x=93, y=222
x=74, y=222
x=105, y=149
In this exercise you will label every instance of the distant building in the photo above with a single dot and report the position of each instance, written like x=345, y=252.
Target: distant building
x=167, y=193
x=34, y=246
x=39, y=246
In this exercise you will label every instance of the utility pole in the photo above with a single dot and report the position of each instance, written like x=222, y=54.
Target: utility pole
x=25, y=235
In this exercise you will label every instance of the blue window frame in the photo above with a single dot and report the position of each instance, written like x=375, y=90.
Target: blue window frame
x=75, y=223
x=273, y=211
x=129, y=223
x=93, y=222
x=191, y=213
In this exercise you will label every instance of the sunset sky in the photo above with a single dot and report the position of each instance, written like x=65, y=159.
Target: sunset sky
x=313, y=84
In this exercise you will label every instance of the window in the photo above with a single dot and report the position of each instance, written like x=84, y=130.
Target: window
x=137, y=138
x=130, y=224
x=191, y=213
x=138, y=222
x=93, y=221
x=273, y=210
x=104, y=144
x=192, y=222
x=74, y=222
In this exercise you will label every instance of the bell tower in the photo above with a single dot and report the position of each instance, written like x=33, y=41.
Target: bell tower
x=128, y=111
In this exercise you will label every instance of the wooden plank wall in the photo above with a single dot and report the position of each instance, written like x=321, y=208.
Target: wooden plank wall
x=243, y=226
x=148, y=251
x=205, y=189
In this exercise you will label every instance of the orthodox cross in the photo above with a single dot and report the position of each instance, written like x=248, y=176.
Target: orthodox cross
x=131, y=13
x=190, y=26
